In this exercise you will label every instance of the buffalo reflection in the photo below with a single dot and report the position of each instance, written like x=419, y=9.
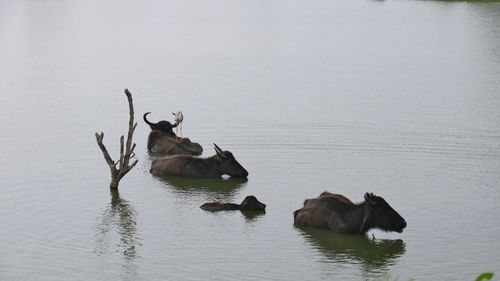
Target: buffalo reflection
x=218, y=188
x=373, y=253
x=252, y=216
x=119, y=215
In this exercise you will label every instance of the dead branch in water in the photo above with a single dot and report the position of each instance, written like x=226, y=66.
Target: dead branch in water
x=120, y=168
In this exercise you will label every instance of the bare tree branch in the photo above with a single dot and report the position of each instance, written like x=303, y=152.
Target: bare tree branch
x=126, y=149
x=100, y=138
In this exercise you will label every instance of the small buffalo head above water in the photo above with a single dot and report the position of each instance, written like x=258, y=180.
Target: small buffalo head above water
x=252, y=203
x=336, y=212
x=223, y=163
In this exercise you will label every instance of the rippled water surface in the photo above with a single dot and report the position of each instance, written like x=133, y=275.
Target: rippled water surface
x=400, y=98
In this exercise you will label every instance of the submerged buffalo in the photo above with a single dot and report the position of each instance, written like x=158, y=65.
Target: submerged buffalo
x=250, y=203
x=163, y=140
x=222, y=163
x=161, y=143
x=341, y=215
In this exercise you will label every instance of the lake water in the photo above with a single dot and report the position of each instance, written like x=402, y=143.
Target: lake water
x=400, y=98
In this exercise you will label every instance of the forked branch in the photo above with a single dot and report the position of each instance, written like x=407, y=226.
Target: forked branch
x=123, y=166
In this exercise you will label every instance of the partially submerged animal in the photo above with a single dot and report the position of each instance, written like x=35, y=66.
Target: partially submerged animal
x=165, y=144
x=339, y=214
x=162, y=126
x=250, y=203
x=222, y=163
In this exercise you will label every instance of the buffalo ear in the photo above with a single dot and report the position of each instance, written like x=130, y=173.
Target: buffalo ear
x=369, y=198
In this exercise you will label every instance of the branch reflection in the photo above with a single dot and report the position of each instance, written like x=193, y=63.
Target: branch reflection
x=120, y=216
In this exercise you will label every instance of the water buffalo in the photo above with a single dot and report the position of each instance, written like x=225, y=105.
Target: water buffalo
x=162, y=143
x=250, y=203
x=222, y=163
x=339, y=214
x=163, y=126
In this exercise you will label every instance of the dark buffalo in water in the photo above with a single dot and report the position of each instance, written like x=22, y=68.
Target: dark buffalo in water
x=222, y=163
x=165, y=144
x=339, y=214
x=250, y=203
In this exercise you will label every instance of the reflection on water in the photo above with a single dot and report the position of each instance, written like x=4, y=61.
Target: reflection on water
x=119, y=215
x=374, y=255
x=219, y=189
x=252, y=216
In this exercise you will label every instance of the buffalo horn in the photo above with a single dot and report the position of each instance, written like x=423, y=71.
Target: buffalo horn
x=219, y=151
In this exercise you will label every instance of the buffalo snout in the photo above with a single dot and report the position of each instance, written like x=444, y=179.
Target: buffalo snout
x=402, y=226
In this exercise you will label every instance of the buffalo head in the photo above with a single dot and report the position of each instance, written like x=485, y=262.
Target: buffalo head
x=251, y=203
x=228, y=164
x=381, y=215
